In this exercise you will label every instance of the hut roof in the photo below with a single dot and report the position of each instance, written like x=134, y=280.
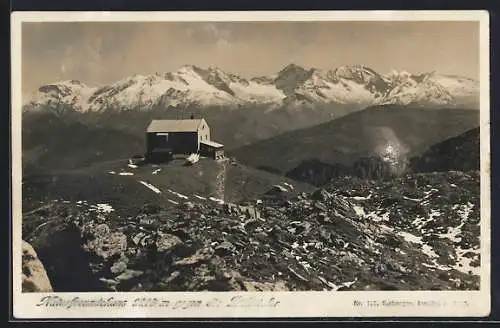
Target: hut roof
x=212, y=143
x=174, y=125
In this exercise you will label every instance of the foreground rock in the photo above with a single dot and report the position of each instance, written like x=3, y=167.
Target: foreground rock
x=420, y=232
x=35, y=277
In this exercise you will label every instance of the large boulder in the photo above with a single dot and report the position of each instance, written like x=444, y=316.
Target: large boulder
x=35, y=277
x=166, y=242
x=103, y=242
x=321, y=195
x=59, y=244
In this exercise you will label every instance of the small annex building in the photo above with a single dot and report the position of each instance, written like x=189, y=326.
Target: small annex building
x=170, y=137
x=212, y=149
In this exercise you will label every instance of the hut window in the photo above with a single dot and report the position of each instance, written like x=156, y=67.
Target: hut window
x=164, y=135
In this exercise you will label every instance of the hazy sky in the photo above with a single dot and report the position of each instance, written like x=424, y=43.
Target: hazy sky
x=98, y=53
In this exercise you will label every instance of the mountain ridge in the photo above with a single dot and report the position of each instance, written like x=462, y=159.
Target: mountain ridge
x=381, y=131
x=460, y=153
x=292, y=86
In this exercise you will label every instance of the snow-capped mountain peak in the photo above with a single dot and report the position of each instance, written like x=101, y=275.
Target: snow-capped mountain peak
x=432, y=88
x=73, y=93
x=356, y=85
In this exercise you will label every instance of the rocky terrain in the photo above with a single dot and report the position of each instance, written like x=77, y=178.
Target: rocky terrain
x=417, y=232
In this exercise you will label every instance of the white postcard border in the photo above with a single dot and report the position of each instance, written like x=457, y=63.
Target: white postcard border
x=258, y=304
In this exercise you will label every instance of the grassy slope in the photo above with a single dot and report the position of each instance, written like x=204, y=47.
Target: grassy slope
x=208, y=178
x=52, y=142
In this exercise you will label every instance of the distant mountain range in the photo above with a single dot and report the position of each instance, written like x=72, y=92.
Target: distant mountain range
x=292, y=87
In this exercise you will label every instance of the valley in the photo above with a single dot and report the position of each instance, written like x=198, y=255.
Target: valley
x=395, y=132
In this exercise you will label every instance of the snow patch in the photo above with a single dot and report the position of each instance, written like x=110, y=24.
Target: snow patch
x=177, y=194
x=105, y=208
x=362, y=198
x=219, y=201
x=254, y=92
x=335, y=287
x=429, y=251
x=281, y=188
x=150, y=186
x=126, y=173
x=465, y=210
x=420, y=222
x=385, y=228
x=413, y=199
x=373, y=216
x=359, y=210
x=463, y=263
x=453, y=232
x=410, y=238
x=428, y=196
x=434, y=213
